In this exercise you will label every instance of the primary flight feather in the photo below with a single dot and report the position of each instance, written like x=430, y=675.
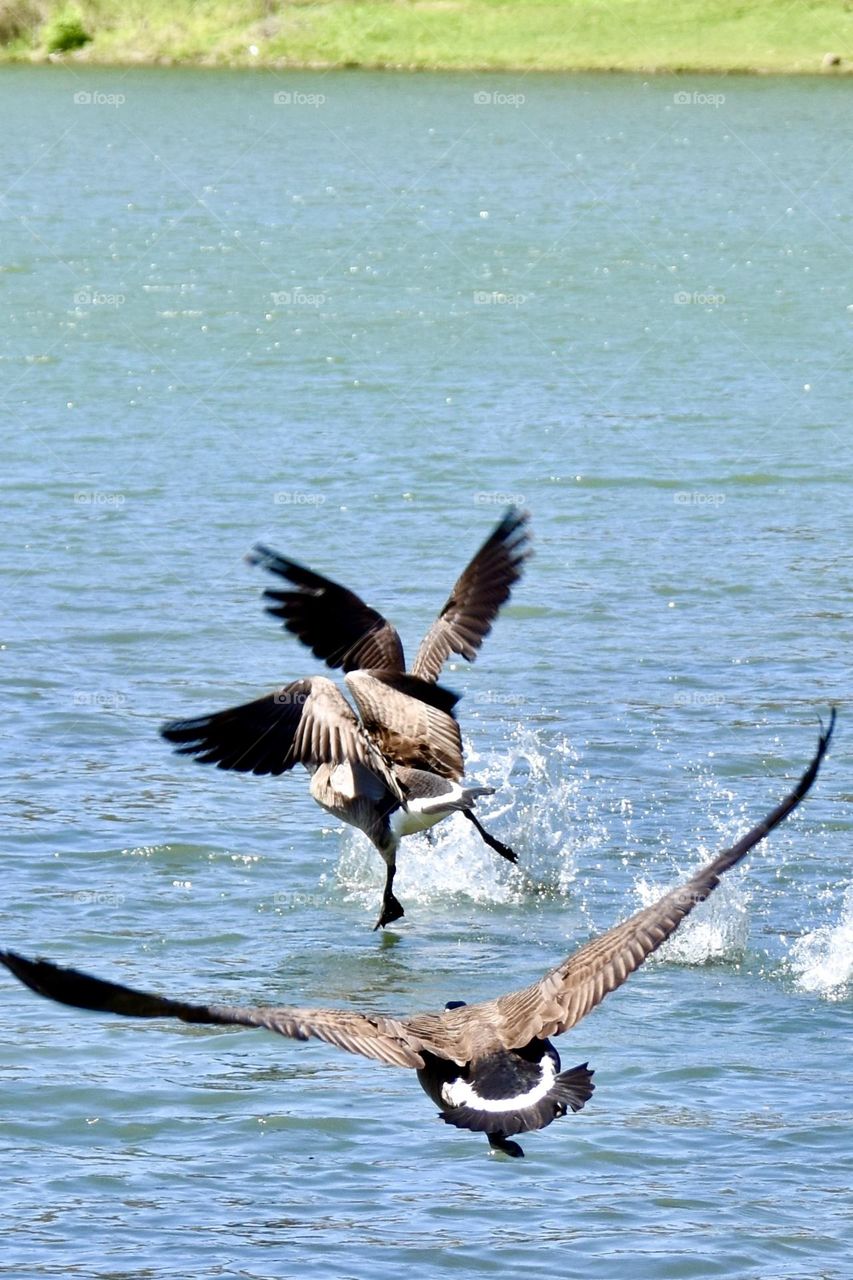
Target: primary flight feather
x=489, y=1067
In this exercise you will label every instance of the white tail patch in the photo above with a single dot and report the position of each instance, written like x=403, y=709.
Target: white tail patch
x=461, y=1093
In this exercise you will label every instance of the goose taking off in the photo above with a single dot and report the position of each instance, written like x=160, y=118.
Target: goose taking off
x=489, y=1067
x=400, y=769
x=395, y=771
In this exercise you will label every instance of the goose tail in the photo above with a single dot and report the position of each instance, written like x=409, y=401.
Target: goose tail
x=515, y=1091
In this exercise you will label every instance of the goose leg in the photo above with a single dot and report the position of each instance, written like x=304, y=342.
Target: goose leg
x=391, y=908
x=498, y=846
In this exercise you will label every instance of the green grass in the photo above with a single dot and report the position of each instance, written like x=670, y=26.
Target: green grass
x=555, y=35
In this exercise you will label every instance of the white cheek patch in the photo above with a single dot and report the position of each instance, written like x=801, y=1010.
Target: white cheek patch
x=462, y=1093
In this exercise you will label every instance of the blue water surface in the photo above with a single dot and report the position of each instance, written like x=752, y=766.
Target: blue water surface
x=355, y=316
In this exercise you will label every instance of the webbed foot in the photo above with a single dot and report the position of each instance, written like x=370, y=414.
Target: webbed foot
x=504, y=850
x=391, y=911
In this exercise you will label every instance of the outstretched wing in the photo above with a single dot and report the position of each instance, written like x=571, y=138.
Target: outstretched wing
x=335, y=624
x=306, y=722
x=546, y=1008
x=475, y=600
x=568, y=992
x=370, y=1035
x=410, y=720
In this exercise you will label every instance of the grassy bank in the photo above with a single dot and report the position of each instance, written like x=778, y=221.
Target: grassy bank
x=623, y=35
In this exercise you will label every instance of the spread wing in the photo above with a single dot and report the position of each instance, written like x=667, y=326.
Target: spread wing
x=370, y=1035
x=568, y=992
x=410, y=720
x=476, y=599
x=306, y=722
x=335, y=624
x=546, y=1008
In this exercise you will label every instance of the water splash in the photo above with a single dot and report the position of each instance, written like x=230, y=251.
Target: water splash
x=541, y=808
x=718, y=929
x=822, y=961
x=576, y=837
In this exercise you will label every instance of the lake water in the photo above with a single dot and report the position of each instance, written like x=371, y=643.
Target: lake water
x=354, y=323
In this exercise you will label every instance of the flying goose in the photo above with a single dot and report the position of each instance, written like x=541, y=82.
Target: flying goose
x=400, y=769
x=489, y=1067
x=344, y=632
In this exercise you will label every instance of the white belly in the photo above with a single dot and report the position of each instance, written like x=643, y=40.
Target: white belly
x=425, y=811
x=405, y=822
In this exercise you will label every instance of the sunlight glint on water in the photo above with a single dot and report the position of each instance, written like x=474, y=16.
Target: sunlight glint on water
x=652, y=689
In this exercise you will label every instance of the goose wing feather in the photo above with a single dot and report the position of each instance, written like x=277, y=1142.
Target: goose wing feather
x=546, y=1008
x=410, y=720
x=371, y=1035
x=335, y=623
x=569, y=991
x=475, y=601
x=306, y=722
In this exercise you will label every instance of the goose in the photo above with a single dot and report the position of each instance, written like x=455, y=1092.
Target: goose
x=399, y=769
x=488, y=1067
x=394, y=771
x=345, y=633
